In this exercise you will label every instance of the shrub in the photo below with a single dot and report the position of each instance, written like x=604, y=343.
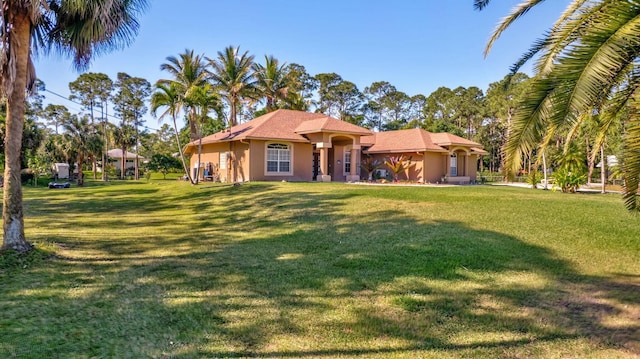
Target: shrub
x=533, y=178
x=397, y=165
x=26, y=177
x=370, y=166
x=569, y=181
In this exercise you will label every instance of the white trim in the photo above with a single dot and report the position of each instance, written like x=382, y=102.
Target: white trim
x=453, y=163
x=266, y=158
x=223, y=158
x=344, y=163
x=458, y=148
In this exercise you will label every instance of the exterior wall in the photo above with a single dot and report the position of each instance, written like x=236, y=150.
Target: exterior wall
x=240, y=160
x=210, y=153
x=427, y=167
x=302, y=162
x=414, y=173
x=473, y=167
x=435, y=164
x=247, y=161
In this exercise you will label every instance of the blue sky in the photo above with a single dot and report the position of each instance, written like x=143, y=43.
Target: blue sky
x=416, y=45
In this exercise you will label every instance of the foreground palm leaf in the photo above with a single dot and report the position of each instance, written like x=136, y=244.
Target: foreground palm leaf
x=587, y=63
x=77, y=28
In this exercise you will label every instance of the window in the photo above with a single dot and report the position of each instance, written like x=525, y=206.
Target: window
x=454, y=165
x=347, y=162
x=278, y=158
x=223, y=160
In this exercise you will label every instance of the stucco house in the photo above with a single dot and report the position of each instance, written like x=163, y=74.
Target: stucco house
x=115, y=157
x=435, y=157
x=301, y=146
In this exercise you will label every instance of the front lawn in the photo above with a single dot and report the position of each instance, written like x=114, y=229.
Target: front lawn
x=163, y=269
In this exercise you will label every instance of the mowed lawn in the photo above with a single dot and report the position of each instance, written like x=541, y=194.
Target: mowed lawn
x=163, y=269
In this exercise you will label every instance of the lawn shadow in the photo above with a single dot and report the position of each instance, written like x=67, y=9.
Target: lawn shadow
x=263, y=269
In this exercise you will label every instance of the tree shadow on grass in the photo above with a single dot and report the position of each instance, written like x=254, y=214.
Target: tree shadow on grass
x=275, y=274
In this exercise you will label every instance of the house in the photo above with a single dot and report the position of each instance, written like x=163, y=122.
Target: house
x=115, y=157
x=301, y=146
x=434, y=157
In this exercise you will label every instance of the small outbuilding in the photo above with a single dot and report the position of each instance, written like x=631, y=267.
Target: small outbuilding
x=60, y=170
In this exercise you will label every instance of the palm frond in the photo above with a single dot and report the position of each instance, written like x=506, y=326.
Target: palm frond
x=480, y=4
x=84, y=28
x=631, y=160
x=529, y=122
x=515, y=14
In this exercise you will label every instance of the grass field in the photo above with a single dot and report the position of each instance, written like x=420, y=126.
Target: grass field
x=163, y=269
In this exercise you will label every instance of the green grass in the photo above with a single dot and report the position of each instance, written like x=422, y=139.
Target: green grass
x=162, y=269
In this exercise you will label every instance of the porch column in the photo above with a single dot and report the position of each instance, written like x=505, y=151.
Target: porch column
x=424, y=167
x=355, y=159
x=324, y=162
x=466, y=164
x=448, y=164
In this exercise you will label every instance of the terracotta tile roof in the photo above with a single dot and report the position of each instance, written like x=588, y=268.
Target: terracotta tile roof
x=330, y=124
x=479, y=151
x=413, y=140
x=447, y=139
x=287, y=125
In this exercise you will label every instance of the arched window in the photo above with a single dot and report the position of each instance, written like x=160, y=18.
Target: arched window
x=278, y=158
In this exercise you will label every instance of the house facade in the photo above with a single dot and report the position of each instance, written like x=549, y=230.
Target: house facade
x=300, y=146
x=115, y=158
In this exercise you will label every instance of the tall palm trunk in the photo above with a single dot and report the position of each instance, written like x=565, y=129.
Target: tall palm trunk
x=135, y=165
x=80, y=173
x=603, y=170
x=12, y=211
x=123, y=168
x=184, y=162
x=232, y=114
x=193, y=129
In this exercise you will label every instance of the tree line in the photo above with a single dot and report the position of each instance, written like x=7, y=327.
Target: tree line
x=210, y=94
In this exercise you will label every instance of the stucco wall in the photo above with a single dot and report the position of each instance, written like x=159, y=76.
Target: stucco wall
x=302, y=158
x=473, y=167
x=435, y=166
x=210, y=153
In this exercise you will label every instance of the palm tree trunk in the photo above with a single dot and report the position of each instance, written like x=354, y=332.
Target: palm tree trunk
x=197, y=179
x=136, y=169
x=123, y=167
x=544, y=168
x=80, y=173
x=193, y=130
x=12, y=211
x=232, y=115
x=603, y=170
x=591, y=162
x=184, y=162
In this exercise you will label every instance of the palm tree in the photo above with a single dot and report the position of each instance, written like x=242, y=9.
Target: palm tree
x=271, y=82
x=232, y=75
x=587, y=64
x=203, y=100
x=84, y=139
x=168, y=96
x=80, y=28
x=189, y=72
x=125, y=137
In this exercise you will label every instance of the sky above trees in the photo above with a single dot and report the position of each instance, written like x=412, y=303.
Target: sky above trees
x=417, y=46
